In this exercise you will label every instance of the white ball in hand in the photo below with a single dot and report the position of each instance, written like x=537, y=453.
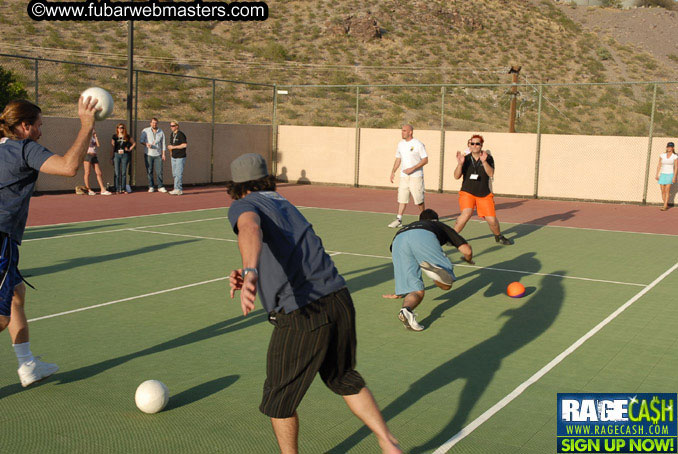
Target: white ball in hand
x=104, y=102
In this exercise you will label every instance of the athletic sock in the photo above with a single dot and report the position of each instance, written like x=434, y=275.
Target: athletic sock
x=407, y=309
x=399, y=217
x=23, y=353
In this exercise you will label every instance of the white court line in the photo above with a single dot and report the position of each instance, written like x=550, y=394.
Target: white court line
x=122, y=217
x=121, y=230
x=127, y=299
x=503, y=222
x=343, y=210
x=544, y=370
x=333, y=253
x=531, y=273
x=547, y=274
x=183, y=235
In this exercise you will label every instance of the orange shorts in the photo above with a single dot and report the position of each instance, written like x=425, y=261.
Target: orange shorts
x=484, y=205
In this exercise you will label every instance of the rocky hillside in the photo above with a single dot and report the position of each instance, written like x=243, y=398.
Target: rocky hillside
x=353, y=42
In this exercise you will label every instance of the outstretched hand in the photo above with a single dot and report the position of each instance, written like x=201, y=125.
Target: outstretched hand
x=247, y=287
x=460, y=157
x=468, y=260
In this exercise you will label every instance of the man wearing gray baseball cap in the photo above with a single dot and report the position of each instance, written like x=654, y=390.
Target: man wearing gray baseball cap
x=307, y=303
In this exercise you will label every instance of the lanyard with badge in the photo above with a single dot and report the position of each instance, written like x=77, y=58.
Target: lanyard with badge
x=475, y=174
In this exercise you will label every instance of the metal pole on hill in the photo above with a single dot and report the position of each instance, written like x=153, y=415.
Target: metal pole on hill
x=514, y=71
x=36, y=83
x=441, y=173
x=356, y=176
x=649, y=143
x=130, y=92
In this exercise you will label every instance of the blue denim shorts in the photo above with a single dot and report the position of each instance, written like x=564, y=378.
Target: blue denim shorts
x=9, y=272
x=410, y=248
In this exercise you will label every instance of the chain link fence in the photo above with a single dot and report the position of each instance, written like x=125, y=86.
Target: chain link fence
x=568, y=135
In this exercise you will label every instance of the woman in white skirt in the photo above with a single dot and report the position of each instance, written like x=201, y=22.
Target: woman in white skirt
x=667, y=170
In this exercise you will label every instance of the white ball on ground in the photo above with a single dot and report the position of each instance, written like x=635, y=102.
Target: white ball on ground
x=105, y=102
x=151, y=396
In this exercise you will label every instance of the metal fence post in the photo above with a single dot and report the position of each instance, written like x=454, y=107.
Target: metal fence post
x=36, y=83
x=356, y=182
x=649, y=143
x=133, y=129
x=214, y=107
x=441, y=175
x=274, y=132
x=538, y=151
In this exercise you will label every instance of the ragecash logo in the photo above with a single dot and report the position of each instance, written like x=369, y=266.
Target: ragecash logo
x=615, y=422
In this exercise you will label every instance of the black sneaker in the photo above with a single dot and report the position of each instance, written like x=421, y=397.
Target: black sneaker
x=503, y=240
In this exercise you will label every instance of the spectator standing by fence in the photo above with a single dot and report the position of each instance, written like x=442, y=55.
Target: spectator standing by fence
x=154, y=140
x=92, y=160
x=123, y=144
x=667, y=171
x=177, y=146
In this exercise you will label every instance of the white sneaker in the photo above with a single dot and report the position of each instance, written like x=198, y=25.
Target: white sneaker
x=34, y=371
x=176, y=192
x=395, y=224
x=90, y=192
x=440, y=276
x=128, y=189
x=409, y=320
x=106, y=193
x=151, y=189
x=162, y=189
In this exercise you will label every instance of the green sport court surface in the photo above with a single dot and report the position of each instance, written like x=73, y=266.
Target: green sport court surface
x=125, y=300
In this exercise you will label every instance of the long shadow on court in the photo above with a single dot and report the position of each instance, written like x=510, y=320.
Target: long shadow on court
x=217, y=329
x=476, y=281
x=51, y=231
x=372, y=275
x=95, y=259
x=201, y=391
x=477, y=366
x=524, y=229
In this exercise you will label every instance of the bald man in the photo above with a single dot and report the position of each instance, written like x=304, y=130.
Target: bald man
x=411, y=153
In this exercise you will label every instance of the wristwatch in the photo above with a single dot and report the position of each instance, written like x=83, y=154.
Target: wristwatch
x=247, y=270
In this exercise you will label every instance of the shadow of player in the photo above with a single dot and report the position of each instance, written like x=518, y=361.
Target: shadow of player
x=201, y=391
x=480, y=279
x=477, y=365
x=217, y=329
x=520, y=230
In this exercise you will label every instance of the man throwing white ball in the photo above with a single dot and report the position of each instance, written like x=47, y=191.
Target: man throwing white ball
x=22, y=161
x=307, y=303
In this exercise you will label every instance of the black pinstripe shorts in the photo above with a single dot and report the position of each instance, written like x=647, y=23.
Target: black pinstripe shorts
x=319, y=337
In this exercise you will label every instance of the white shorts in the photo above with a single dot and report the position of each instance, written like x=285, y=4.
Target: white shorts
x=409, y=184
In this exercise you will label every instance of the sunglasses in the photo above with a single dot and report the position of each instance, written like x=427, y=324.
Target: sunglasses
x=173, y=126
x=475, y=143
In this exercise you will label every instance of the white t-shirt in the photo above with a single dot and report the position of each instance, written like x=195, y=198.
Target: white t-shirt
x=410, y=153
x=667, y=163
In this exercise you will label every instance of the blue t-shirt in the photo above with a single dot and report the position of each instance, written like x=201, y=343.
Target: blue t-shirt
x=294, y=269
x=20, y=162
